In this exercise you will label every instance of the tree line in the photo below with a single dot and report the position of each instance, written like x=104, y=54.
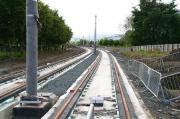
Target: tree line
x=109, y=42
x=153, y=22
x=101, y=42
x=53, y=31
x=83, y=42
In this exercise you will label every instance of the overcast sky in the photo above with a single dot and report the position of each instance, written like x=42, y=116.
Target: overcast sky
x=79, y=14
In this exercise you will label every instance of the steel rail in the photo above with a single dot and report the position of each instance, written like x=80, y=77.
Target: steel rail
x=84, y=80
x=120, y=89
x=22, y=72
x=15, y=90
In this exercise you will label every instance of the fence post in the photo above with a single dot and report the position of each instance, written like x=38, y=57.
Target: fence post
x=149, y=76
x=161, y=48
x=171, y=47
x=175, y=46
x=166, y=48
x=146, y=47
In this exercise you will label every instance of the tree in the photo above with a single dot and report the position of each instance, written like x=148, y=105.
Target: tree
x=128, y=25
x=155, y=22
x=54, y=32
x=12, y=23
x=109, y=42
x=127, y=40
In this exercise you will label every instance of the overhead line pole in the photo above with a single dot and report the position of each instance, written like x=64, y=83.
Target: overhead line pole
x=31, y=47
x=95, y=34
x=31, y=104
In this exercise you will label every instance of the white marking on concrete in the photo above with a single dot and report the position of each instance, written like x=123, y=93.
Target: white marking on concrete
x=137, y=107
x=30, y=15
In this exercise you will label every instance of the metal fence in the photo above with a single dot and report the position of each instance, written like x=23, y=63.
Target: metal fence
x=171, y=86
x=149, y=77
x=166, y=65
x=162, y=87
x=161, y=47
x=155, y=63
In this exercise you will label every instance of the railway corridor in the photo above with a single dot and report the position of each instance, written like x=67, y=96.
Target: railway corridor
x=96, y=83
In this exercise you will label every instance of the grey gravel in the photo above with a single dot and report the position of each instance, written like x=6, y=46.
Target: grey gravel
x=59, y=85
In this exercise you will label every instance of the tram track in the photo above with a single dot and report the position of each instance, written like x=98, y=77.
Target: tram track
x=119, y=88
x=21, y=73
x=74, y=94
x=100, y=77
x=64, y=110
x=18, y=87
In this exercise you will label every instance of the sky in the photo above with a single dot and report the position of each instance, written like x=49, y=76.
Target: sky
x=79, y=15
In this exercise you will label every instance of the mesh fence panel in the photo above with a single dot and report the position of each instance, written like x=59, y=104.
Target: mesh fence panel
x=149, y=77
x=154, y=82
x=167, y=87
x=171, y=86
x=145, y=74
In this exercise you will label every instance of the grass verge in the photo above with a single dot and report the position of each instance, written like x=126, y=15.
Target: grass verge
x=11, y=55
x=144, y=54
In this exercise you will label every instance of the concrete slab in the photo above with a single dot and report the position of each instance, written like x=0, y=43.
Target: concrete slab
x=35, y=111
x=30, y=111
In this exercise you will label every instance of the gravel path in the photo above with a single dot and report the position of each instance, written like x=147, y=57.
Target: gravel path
x=59, y=85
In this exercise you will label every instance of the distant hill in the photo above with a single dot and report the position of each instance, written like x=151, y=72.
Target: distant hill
x=99, y=36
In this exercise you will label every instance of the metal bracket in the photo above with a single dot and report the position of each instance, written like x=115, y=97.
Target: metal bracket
x=38, y=22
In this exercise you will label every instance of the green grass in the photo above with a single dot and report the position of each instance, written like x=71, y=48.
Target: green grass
x=11, y=55
x=144, y=54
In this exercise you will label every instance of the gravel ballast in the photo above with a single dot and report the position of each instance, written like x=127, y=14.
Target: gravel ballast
x=61, y=84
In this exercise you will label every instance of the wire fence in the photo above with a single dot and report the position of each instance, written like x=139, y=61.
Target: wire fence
x=152, y=72
x=148, y=76
x=166, y=65
x=161, y=47
x=171, y=86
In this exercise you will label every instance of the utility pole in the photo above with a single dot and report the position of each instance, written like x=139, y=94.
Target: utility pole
x=31, y=105
x=83, y=41
x=95, y=35
x=31, y=48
